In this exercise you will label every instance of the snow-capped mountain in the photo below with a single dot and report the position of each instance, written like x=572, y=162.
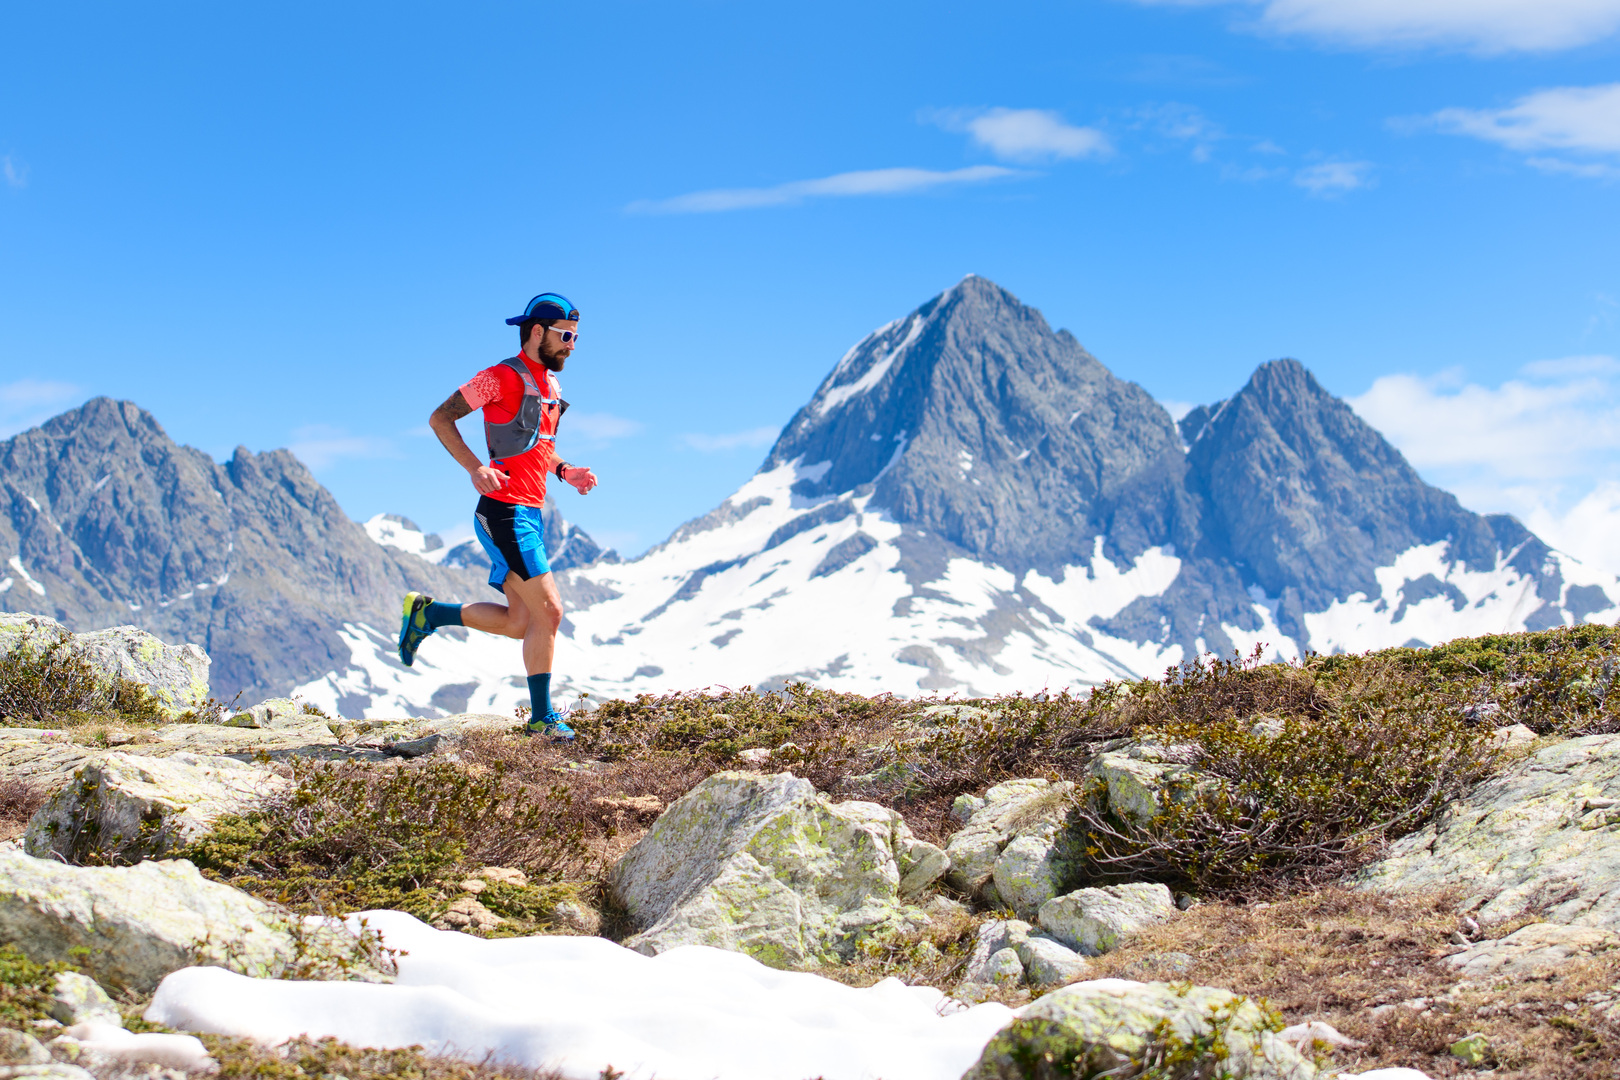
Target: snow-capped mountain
x=970, y=503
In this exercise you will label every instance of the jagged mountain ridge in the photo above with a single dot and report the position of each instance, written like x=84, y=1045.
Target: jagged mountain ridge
x=970, y=502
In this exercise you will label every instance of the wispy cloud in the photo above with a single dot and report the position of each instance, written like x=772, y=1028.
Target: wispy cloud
x=1544, y=445
x=600, y=427
x=14, y=172
x=843, y=185
x=752, y=438
x=1023, y=135
x=320, y=446
x=1486, y=26
x=1583, y=120
x=1332, y=178
x=27, y=403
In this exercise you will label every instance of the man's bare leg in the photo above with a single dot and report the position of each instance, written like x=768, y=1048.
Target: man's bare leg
x=533, y=612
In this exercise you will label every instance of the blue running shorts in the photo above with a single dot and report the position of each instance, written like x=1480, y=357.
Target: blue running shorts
x=515, y=538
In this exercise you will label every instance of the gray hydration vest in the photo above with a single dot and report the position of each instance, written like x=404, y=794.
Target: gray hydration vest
x=522, y=433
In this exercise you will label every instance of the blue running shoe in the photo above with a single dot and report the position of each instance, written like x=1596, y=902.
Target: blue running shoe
x=413, y=627
x=552, y=727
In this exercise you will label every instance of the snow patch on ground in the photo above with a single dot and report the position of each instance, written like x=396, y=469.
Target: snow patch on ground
x=582, y=1004
x=391, y=530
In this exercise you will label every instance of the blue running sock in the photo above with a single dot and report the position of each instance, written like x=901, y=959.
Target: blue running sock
x=437, y=615
x=540, y=697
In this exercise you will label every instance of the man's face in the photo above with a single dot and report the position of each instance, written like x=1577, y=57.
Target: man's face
x=549, y=347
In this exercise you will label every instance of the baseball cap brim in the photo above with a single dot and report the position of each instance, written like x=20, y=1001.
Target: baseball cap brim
x=546, y=306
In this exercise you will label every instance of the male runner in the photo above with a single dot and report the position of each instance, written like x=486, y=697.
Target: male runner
x=522, y=406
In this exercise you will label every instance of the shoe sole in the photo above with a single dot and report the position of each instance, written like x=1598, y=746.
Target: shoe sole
x=405, y=628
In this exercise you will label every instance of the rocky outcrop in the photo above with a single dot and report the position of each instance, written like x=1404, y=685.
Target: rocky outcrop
x=1542, y=838
x=127, y=927
x=122, y=808
x=1115, y=1026
x=1094, y=921
x=1532, y=948
x=762, y=865
x=175, y=676
x=1011, y=952
x=1006, y=855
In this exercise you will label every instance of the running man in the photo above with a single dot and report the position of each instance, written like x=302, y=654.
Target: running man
x=522, y=406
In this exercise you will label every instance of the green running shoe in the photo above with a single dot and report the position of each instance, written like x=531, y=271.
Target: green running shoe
x=552, y=727
x=413, y=627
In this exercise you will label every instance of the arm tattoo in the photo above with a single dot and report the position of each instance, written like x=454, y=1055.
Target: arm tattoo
x=454, y=408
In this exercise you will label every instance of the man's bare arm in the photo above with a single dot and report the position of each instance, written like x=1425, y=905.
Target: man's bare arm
x=443, y=423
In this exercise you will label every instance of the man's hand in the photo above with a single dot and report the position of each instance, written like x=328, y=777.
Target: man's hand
x=487, y=480
x=579, y=476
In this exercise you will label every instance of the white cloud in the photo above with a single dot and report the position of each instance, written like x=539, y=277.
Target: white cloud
x=869, y=182
x=15, y=173
x=27, y=403
x=1582, y=118
x=753, y=437
x=1586, y=170
x=1331, y=178
x=1544, y=446
x=1024, y=135
x=600, y=427
x=320, y=446
x=1487, y=26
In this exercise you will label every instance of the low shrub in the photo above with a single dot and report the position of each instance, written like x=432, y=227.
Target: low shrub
x=351, y=837
x=1310, y=786
x=25, y=988
x=45, y=684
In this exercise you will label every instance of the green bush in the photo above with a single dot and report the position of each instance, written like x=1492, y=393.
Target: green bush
x=351, y=837
x=46, y=684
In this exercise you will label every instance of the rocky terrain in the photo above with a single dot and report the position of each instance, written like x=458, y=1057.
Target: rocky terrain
x=1354, y=866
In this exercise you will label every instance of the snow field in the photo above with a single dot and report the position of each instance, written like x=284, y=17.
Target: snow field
x=580, y=1004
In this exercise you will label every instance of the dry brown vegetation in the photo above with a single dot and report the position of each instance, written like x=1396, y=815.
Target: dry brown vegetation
x=1337, y=954
x=19, y=798
x=303, y=1058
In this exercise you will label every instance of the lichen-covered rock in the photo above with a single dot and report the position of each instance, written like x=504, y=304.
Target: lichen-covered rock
x=762, y=865
x=176, y=676
x=1541, y=838
x=21, y=1048
x=1094, y=921
x=76, y=998
x=1138, y=777
x=995, y=937
x=312, y=741
x=1531, y=948
x=124, y=808
x=1048, y=962
x=1006, y=855
x=45, y=758
x=127, y=927
x=272, y=715
x=1116, y=1027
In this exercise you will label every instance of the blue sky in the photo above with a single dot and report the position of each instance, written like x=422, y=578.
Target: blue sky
x=302, y=225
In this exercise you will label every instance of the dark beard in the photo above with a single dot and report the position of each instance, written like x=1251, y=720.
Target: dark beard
x=554, y=363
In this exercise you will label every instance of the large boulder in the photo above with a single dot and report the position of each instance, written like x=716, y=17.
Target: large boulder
x=121, y=808
x=1542, y=838
x=764, y=866
x=176, y=676
x=128, y=927
x=1536, y=947
x=1009, y=952
x=1116, y=1027
x=1006, y=856
x=1136, y=778
x=1094, y=921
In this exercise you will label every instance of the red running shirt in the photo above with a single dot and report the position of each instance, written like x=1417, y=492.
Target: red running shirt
x=499, y=392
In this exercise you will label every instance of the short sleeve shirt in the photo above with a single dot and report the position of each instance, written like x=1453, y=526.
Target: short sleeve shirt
x=499, y=392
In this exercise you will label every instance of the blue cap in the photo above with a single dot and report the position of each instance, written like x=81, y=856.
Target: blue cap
x=548, y=305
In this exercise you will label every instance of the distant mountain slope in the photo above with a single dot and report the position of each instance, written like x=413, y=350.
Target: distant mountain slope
x=108, y=521
x=969, y=503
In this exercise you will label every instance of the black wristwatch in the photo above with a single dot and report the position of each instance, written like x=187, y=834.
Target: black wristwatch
x=561, y=465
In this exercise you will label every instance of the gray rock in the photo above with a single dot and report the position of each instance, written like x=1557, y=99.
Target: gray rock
x=1138, y=777
x=127, y=927
x=1532, y=948
x=1104, y=1026
x=76, y=998
x=1515, y=735
x=1094, y=921
x=965, y=806
x=55, y=1070
x=1048, y=962
x=1009, y=843
x=21, y=1048
x=124, y=808
x=176, y=676
x=1542, y=838
x=995, y=937
x=762, y=865
x=276, y=714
